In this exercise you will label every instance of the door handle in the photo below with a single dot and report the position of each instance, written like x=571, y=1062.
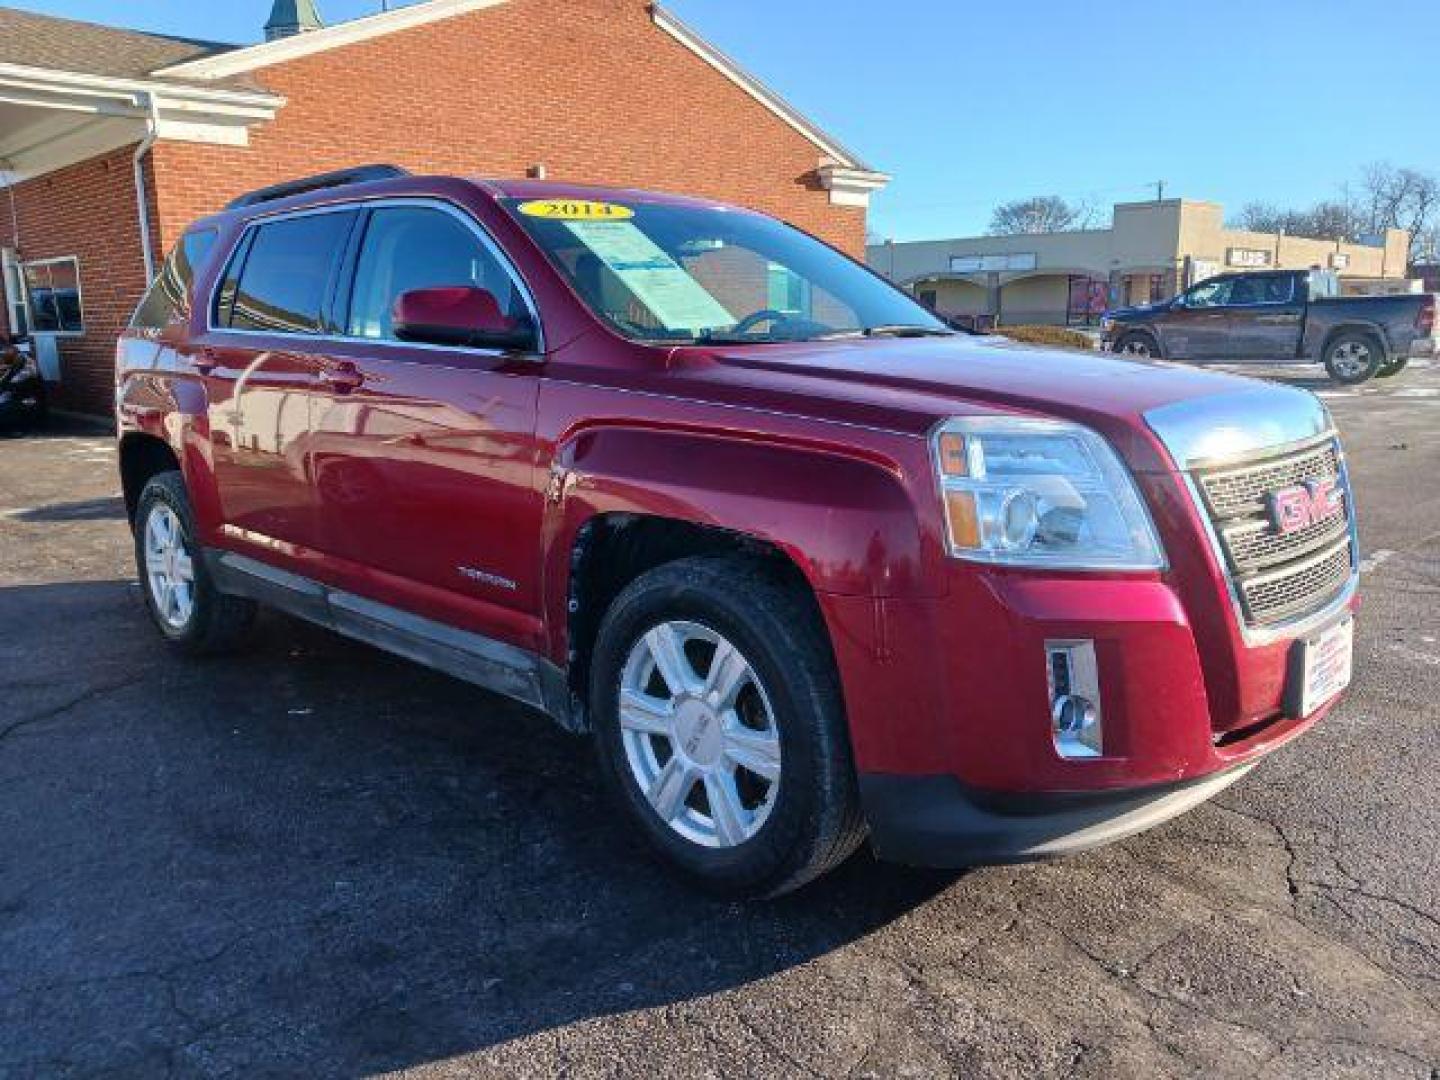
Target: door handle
x=342, y=377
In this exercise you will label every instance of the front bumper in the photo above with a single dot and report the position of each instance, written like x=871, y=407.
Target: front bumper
x=937, y=821
x=950, y=718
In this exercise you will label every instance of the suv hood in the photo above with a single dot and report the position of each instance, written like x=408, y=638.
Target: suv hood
x=1137, y=311
x=910, y=384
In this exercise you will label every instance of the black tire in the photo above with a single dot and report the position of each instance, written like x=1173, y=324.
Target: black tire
x=1394, y=367
x=216, y=622
x=1140, y=345
x=815, y=821
x=1345, y=366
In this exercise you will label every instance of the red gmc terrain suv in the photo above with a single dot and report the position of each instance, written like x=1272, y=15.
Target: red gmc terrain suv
x=806, y=564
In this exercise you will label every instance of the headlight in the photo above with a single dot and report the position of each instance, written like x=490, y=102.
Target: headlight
x=1040, y=493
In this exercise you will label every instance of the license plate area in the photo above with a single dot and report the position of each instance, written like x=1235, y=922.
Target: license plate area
x=1320, y=667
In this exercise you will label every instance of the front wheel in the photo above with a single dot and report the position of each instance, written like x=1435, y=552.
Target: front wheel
x=1353, y=358
x=1137, y=347
x=720, y=729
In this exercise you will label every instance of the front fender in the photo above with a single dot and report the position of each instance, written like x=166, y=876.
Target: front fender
x=848, y=522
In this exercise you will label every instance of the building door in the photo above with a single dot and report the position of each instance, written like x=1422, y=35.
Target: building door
x=51, y=291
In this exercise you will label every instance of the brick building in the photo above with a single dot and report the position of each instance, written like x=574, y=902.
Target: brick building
x=111, y=141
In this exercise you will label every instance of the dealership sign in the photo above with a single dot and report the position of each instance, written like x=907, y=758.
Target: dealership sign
x=1248, y=257
x=982, y=264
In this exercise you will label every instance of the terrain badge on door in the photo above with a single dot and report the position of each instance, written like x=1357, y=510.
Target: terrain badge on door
x=486, y=578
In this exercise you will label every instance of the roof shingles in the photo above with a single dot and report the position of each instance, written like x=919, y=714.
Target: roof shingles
x=44, y=41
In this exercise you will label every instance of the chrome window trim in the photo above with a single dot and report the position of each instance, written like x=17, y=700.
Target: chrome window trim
x=379, y=203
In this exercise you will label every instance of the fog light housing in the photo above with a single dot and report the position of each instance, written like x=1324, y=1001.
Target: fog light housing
x=1074, y=680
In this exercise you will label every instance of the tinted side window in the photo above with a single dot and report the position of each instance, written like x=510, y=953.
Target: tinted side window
x=286, y=274
x=168, y=297
x=417, y=248
x=1214, y=293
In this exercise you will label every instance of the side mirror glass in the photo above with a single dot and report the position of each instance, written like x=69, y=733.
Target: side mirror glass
x=459, y=315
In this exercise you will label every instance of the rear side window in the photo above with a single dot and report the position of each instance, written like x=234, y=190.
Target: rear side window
x=168, y=298
x=284, y=275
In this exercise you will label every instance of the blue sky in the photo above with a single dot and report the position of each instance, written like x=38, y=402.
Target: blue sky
x=968, y=104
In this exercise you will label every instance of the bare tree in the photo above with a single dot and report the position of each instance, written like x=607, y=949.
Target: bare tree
x=1385, y=198
x=1038, y=214
x=1332, y=220
x=1406, y=199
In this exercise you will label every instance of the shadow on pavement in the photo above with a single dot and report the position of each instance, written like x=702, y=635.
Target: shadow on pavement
x=110, y=508
x=312, y=857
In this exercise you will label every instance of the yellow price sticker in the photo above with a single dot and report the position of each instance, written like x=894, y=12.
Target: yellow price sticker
x=575, y=210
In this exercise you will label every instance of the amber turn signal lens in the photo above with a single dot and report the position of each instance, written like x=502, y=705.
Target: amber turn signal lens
x=952, y=455
x=964, y=521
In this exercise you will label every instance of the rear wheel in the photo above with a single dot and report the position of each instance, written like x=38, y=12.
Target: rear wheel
x=1137, y=346
x=186, y=607
x=1352, y=358
x=719, y=726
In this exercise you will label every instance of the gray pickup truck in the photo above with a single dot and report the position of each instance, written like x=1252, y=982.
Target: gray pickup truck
x=1273, y=317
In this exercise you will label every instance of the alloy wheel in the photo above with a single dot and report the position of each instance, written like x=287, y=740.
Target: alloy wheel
x=699, y=734
x=1351, y=359
x=169, y=570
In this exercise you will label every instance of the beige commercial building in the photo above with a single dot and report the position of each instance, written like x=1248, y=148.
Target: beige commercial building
x=1151, y=251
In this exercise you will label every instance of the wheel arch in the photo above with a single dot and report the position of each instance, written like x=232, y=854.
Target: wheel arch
x=142, y=456
x=1145, y=330
x=610, y=550
x=1369, y=329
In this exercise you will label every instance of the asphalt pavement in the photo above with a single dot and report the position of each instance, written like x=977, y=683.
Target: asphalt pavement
x=316, y=860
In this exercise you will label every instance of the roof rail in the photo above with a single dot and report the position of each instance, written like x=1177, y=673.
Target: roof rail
x=358, y=175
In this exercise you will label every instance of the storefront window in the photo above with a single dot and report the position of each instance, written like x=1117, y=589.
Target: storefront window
x=52, y=287
x=1088, y=300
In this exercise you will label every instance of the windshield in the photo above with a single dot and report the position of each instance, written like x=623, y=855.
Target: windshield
x=684, y=274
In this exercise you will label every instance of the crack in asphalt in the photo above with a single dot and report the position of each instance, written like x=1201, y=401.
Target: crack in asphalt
x=82, y=698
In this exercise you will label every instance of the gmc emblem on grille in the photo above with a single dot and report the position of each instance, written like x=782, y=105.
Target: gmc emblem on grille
x=1301, y=505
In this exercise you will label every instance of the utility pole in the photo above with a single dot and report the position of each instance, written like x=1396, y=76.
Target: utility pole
x=1159, y=190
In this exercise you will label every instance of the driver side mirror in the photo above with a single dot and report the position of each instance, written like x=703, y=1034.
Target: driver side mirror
x=459, y=315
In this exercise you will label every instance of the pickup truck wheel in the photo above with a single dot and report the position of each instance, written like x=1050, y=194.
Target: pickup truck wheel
x=1394, y=367
x=720, y=728
x=1352, y=358
x=1139, y=346
x=187, y=608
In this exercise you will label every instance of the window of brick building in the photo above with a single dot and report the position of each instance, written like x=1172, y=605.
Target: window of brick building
x=52, y=287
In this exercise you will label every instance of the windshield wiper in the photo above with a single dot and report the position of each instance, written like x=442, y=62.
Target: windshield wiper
x=905, y=330
x=720, y=337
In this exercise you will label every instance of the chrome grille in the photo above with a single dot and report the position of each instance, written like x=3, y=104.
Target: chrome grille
x=1299, y=589
x=1252, y=544
x=1279, y=576
x=1231, y=492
